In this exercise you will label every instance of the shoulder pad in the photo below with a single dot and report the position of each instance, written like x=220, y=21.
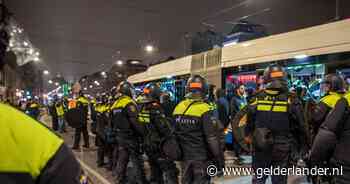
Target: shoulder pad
x=122, y=102
x=331, y=100
x=197, y=109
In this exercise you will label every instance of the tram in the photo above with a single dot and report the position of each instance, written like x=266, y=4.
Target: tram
x=307, y=55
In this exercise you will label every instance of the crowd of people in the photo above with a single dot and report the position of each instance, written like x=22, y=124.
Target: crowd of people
x=198, y=130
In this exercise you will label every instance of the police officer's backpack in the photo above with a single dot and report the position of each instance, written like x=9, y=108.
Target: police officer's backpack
x=262, y=137
x=171, y=148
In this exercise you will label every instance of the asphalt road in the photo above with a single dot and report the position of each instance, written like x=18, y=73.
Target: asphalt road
x=87, y=158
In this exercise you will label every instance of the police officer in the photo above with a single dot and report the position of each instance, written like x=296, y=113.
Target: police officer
x=33, y=153
x=102, y=122
x=333, y=86
x=158, y=126
x=83, y=105
x=33, y=109
x=273, y=119
x=60, y=116
x=198, y=133
x=53, y=114
x=128, y=132
x=332, y=141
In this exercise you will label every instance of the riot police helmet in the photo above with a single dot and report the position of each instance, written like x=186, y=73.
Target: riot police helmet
x=152, y=92
x=125, y=88
x=197, y=87
x=275, y=77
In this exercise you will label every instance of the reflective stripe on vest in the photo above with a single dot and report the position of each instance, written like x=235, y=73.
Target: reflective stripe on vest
x=144, y=117
x=197, y=109
x=29, y=145
x=331, y=99
x=265, y=105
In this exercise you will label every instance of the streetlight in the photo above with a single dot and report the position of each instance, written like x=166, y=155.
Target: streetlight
x=36, y=59
x=56, y=83
x=134, y=62
x=103, y=73
x=50, y=82
x=25, y=43
x=119, y=62
x=149, y=48
x=97, y=83
x=46, y=72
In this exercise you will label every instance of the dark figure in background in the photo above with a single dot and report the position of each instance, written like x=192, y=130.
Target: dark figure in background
x=272, y=119
x=223, y=107
x=33, y=109
x=211, y=95
x=238, y=101
x=198, y=133
x=129, y=132
x=53, y=114
x=83, y=105
x=332, y=141
x=158, y=126
x=300, y=92
x=333, y=87
x=102, y=123
x=167, y=105
x=210, y=100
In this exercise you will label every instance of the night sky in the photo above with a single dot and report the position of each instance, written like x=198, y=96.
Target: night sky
x=79, y=37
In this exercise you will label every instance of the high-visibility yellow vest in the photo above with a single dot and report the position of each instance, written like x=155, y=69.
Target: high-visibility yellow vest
x=197, y=109
x=26, y=145
x=122, y=102
x=60, y=110
x=331, y=99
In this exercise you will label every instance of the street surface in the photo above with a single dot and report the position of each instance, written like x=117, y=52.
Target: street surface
x=87, y=158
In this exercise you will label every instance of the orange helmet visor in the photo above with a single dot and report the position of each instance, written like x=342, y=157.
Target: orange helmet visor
x=195, y=85
x=146, y=91
x=276, y=74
